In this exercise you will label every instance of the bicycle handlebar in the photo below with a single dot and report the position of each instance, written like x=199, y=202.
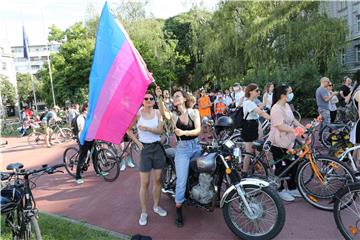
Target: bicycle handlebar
x=23, y=172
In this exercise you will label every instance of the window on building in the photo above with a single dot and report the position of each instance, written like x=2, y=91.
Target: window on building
x=342, y=4
x=357, y=53
x=3, y=66
x=343, y=55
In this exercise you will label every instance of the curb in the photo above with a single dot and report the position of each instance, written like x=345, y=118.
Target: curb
x=94, y=227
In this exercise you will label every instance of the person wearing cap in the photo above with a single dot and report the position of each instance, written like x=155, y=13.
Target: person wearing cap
x=50, y=116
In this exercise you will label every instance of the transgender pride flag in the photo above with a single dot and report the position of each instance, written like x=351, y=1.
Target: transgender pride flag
x=118, y=82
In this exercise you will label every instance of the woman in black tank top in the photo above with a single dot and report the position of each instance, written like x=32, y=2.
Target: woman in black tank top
x=187, y=127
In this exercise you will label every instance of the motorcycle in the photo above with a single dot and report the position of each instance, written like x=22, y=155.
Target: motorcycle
x=252, y=209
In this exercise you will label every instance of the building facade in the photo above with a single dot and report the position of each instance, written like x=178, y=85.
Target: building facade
x=7, y=65
x=349, y=11
x=38, y=57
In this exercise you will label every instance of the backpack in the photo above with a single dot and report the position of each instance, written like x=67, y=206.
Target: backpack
x=238, y=118
x=74, y=126
x=43, y=115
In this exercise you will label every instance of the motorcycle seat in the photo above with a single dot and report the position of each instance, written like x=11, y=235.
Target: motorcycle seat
x=170, y=152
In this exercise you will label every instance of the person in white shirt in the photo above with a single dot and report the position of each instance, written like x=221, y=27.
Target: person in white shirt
x=332, y=104
x=268, y=95
x=251, y=121
x=239, y=95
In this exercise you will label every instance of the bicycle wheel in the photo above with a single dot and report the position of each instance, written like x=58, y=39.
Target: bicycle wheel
x=267, y=219
x=168, y=180
x=346, y=211
x=108, y=164
x=320, y=193
x=71, y=158
x=63, y=135
x=257, y=167
x=32, y=230
x=35, y=139
x=327, y=133
x=134, y=152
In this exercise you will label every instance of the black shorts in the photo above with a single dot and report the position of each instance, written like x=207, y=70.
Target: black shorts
x=250, y=130
x=152, y=157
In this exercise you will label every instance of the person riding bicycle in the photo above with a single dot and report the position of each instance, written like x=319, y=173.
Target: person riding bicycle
x=50, y=117
x=282, y=138
x=152, y=157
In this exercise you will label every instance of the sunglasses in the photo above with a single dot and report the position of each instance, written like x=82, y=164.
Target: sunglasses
x=330, y=85
x=257, y=90
x=149, y=99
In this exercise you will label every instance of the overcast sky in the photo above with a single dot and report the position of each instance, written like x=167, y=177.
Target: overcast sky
x=37, y=15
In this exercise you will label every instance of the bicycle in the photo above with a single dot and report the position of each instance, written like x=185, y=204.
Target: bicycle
x=318, y=177
x=346, y=211
x=105, y=161
x=36, y=136
x=61, y=134
x=18, y=203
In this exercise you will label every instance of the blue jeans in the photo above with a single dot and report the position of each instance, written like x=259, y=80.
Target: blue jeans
x=185, y=151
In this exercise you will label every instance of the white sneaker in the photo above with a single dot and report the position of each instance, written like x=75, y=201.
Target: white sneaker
x=79, y=181
x=161, y=212
x=122, y=166
x=130, y=164
x=284, y=195
x=143, y=219
x=295, y=193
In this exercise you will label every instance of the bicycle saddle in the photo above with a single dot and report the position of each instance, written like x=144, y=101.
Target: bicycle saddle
x=13, y=166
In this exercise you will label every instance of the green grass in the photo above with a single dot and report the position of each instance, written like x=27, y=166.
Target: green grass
x=53, y=228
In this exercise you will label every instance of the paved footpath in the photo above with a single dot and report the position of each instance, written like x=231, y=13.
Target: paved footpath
x=115, y=206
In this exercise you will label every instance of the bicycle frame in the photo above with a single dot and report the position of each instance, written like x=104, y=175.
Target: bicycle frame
x=348, y=152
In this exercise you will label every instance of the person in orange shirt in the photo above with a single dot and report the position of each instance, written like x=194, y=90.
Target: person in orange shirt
x=204, y=105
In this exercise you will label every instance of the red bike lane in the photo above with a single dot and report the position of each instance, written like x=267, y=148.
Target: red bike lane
x=115, y=206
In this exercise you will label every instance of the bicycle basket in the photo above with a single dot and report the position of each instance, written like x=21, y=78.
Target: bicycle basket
x=10, y=199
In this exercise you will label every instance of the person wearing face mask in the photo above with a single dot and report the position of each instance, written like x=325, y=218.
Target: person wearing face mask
x=167, y=100
x=282, y=138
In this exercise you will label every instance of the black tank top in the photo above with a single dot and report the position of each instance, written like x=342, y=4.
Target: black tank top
x=186, y=127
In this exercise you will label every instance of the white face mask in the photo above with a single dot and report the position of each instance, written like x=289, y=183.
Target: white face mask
x=236, y=88
x=290, y=97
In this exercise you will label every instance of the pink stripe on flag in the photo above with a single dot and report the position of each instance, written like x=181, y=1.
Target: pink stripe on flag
x=124, y=105
x=119, y=68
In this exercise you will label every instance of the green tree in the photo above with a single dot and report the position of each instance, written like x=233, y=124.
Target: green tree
x=70, y=67
x=25, y=88
x=7, y=90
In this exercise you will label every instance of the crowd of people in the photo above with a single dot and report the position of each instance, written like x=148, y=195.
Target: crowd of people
x=183, y=114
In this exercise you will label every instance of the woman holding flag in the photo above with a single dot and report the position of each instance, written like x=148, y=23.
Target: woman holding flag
x=187, y=127
x=150, y=126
